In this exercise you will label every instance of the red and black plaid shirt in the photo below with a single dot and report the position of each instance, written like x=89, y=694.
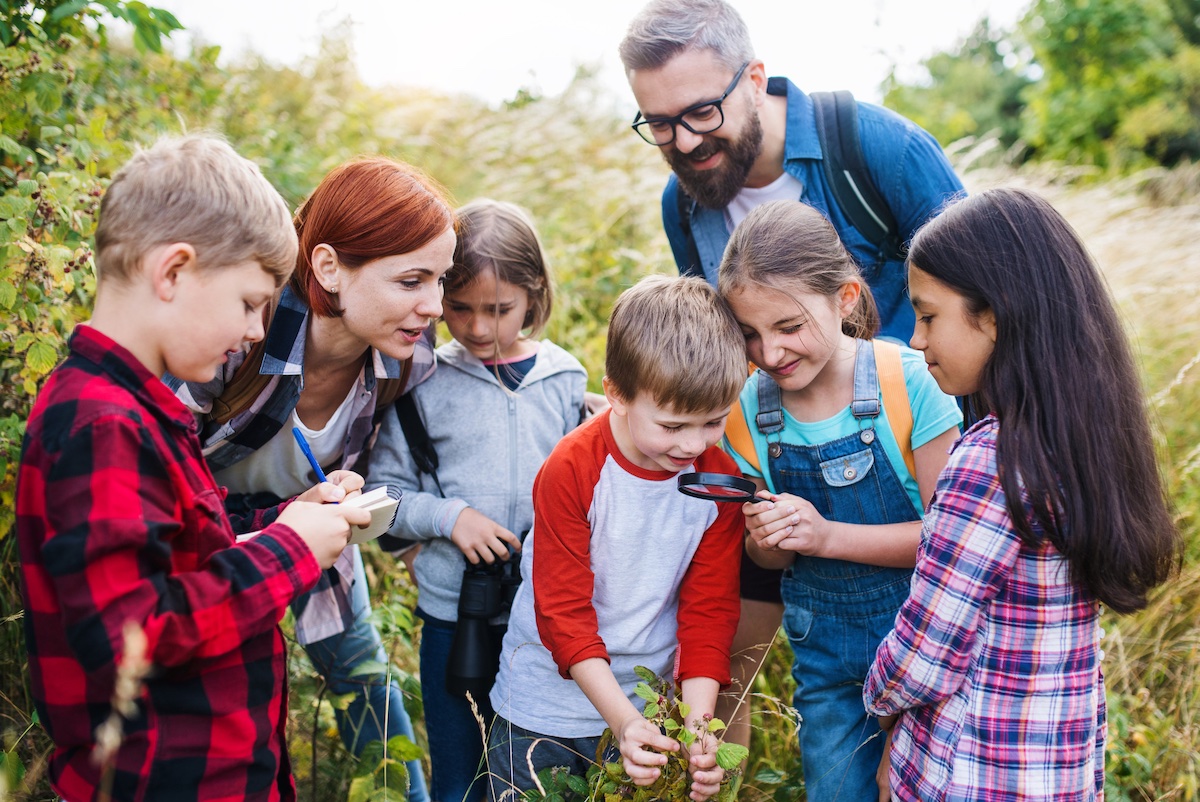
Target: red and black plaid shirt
x=119, y=519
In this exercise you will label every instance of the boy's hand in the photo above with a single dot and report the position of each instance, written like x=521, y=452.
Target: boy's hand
x=341, y=486
x=787, y=523
x=478, y=537
x=702, y=765
x=325, y=528
x=634, y=736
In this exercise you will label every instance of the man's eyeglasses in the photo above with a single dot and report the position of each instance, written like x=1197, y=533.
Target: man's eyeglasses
x=702, y=118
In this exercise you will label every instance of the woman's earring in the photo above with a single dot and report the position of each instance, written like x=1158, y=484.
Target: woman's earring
x=333, y=289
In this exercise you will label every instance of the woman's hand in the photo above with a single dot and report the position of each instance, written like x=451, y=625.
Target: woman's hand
x=341, y=486
x=478, y=537
x=786, y=523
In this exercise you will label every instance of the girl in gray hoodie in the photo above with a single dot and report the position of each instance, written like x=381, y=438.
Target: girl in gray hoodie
x=497, y=404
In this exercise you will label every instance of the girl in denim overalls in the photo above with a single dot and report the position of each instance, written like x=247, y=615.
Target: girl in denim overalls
x=841, y=510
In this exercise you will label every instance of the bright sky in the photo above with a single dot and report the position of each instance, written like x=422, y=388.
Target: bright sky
x=492, y=48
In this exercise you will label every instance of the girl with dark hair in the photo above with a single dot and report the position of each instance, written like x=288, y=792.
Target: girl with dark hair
x=1049, y=507
x=348, y=333
x=847, y=436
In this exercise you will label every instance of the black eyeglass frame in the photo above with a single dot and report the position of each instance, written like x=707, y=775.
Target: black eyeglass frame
x=639, y=122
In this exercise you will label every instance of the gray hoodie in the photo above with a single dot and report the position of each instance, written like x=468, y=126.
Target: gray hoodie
x=490, y=444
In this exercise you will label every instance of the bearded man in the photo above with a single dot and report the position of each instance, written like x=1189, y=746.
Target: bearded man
x=735, y=139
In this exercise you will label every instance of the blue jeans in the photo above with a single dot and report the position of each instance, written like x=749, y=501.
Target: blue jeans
x=455, y=737
x=360, y=723
x=509, y=755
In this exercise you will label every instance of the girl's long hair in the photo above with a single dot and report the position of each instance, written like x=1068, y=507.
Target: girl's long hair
x=1063, y=383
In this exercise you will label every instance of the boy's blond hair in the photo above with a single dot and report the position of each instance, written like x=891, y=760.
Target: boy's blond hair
x=194, y=189
x=674, y=339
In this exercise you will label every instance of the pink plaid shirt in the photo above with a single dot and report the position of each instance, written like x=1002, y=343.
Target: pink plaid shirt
x=994, y=662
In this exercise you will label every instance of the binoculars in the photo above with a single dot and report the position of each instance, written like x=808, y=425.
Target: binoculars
x=487, y=591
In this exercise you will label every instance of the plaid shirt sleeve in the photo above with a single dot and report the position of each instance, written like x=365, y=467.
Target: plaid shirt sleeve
x=123, y=543
x=968, y=550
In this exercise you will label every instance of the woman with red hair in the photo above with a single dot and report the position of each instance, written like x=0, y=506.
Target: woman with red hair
x=347, y=335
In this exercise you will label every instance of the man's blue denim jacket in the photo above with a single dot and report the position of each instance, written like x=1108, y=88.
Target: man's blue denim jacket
x=908, y=167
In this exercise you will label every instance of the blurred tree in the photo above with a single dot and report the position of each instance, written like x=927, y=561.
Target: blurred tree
x=1122, y=81
x=972, y=90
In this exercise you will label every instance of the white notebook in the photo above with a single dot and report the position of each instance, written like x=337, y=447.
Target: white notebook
x=382, y=503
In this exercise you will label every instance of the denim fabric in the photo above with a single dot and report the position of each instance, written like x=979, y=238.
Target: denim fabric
x=837, y=612
x=511, y=749
x=337, y=657
x=908, y=167
x=455, y=740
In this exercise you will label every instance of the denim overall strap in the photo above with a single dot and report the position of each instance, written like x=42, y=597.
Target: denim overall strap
x=770, y=405
x=866, y=383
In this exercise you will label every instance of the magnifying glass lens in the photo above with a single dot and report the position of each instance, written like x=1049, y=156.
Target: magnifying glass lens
x=717, y=487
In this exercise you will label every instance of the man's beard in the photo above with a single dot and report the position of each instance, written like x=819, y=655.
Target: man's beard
x=715, y=188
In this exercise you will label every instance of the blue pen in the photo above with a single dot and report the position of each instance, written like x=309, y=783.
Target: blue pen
x=308, y=453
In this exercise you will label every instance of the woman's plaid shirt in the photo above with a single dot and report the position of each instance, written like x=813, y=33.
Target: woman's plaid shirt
x=994, y=663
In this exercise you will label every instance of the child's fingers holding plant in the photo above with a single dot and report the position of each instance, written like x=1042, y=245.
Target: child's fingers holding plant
x=478, y=537
x=636, y=738
x=702, y=766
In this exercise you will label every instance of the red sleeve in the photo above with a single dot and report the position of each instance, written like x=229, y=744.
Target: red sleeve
x=123, y=545
x=709, y=604
x=563, y=582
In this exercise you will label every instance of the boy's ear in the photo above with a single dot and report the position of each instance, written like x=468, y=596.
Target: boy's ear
x=614, y=398
x=325, y=266
x=168, y=265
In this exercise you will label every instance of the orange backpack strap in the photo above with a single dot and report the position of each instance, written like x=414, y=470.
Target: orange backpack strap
x=737, y=436
x=895, y=399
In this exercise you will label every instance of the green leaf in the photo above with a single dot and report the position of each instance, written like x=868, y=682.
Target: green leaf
x=10, y=146
x=730, y=755
x=51, y=132
x=645, y=673
x=360, y=789
x=400, y=748
x=715, y=725
x=577, y=784
x=651, y=710
x=687, y=737
x=25, y=186
x=45, y=89
x=671, y=725
x=646, y=692
x=23, y=341
x=67, y=10
x=369, y=668
x=684, y=709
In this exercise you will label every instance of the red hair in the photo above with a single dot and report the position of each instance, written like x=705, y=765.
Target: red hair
x=366, y=209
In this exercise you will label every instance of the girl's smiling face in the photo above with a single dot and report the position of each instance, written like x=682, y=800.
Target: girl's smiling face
x=956, y=344
x=791, y=336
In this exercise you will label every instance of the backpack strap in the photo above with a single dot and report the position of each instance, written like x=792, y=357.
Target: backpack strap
x=895, y=399
x=419, y=444
x=737, y=436
x=836, y=115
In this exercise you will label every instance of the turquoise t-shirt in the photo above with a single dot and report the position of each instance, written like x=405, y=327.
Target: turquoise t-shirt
x=933, y=413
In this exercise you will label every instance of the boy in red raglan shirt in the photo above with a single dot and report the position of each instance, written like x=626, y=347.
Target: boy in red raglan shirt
x=621, y=569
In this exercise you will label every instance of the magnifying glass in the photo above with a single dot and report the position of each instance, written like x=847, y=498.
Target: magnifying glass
x=717, y=487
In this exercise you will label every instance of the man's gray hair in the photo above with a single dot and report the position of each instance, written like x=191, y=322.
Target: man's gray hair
x=665, y=28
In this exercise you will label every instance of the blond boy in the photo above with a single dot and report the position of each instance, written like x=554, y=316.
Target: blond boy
x=119, y=522
x=621, y=569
